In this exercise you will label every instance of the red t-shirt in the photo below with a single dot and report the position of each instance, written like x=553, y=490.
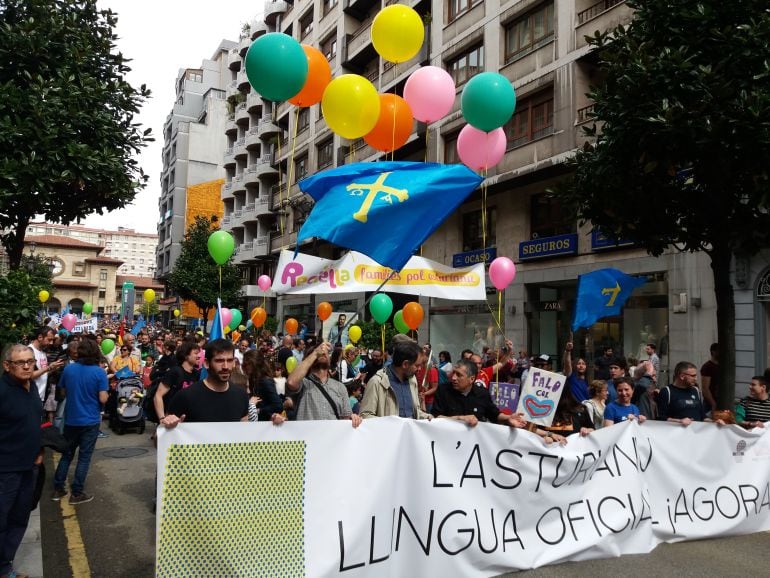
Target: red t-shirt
x=429, y=381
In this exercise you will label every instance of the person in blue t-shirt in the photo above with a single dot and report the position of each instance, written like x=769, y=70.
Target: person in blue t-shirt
x=622, y=409
x=576, y=380
x=85, y=388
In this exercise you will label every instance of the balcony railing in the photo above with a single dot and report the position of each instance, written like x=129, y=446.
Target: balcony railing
x=596, y=9
x=584, y=114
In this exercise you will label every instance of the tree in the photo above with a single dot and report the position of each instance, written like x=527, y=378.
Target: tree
x=19, y=302
x=681, y=154
x=196, y=276
x=67, y=131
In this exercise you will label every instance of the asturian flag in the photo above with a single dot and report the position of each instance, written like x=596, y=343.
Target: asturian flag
x=217, y=331
x=602, y=294
x=384, y=210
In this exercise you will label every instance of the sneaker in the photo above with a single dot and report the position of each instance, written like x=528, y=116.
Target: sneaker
x=58, y=494
x=80, y=498
x=102, y=435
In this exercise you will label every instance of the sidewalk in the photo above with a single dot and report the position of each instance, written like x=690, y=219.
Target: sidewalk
x=29, y=558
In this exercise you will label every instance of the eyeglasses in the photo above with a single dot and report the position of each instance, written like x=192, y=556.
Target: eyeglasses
x=22, y=363
x=123, y=349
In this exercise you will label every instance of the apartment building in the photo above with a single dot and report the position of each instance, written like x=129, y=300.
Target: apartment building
x=540, y=46
x=135, y=250
x=193, y=148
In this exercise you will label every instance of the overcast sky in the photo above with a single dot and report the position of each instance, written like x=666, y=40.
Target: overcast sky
x=160, y=37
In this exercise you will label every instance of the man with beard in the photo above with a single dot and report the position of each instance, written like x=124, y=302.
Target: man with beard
x=393, y=391
x=212, y=399
x=375, y=362
x=320, y=396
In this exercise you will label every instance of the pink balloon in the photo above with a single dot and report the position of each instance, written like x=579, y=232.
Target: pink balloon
x=264, y=283
x=430, y=92
x=481, y=150
x=69, y=321
x=501, y=272
x=227, y=316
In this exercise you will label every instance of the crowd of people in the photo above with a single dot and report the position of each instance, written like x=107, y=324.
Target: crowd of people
x=68, y=379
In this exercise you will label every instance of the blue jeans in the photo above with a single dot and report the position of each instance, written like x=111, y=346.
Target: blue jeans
x=16, y=490
x=84, y=438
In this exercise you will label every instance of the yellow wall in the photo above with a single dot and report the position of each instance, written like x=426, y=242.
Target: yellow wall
x=204, y=200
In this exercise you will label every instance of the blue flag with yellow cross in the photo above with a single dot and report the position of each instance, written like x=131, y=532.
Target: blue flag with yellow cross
x=384, y=210
x=602, y=294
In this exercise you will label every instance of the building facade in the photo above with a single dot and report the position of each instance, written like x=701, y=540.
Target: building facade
x=135, y=250
x=193, y=148
x=540, y=46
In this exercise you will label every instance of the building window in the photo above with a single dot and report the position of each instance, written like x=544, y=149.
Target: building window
x=306, y=24
x=329, y=46
x=460, y=7
x=325, y=154
x=533, y=119
x=474, y=229
x=467, y=64
x=450, y=149
x=300, y=169
x=79, y=269
x=102, y=293
x=303, y=119
x=328, y=6
x=548, y=218
x=529, y=32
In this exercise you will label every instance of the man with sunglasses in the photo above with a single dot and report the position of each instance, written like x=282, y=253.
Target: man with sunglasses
x=20, y=411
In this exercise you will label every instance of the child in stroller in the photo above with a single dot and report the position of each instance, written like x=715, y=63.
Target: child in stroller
x=125, y=403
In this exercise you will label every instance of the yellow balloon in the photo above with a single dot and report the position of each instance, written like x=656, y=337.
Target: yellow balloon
x=398, y=33
x=43, y=296
x=227, y=329
x=351, y=106
x=149, y=295
x=354, y=333
x=177, y=313
x=291, y=363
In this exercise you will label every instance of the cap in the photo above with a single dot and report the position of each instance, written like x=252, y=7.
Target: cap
x=544, y=357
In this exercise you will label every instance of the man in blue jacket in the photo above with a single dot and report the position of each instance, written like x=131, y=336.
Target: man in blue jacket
x=20, y=411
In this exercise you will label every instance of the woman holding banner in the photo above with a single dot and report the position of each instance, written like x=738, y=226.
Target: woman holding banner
x=622, y=409
x=596, y=405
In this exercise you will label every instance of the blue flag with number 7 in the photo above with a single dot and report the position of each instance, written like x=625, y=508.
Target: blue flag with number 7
x=602, y=294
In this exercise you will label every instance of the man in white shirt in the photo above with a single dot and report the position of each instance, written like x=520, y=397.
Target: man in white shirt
x=43, y=338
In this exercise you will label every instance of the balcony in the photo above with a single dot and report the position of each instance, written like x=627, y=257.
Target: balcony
x=357, y=48
x=227, y=191
x=250, y=177
x=243, y=45
x=253, y=102
x=247, y=214
x=252, y=138
x=273, y=9
x=265, y=165
x=239, y=187
x=226, y=222
x=232, y=88
x=241, y=114
x=600, y=16
x=234, y=60
x=262, y=207
x=243, y=81
x=280, y=242
x=267, y=127
x=229, y=158
x=358, y=9
x=258, y=28
x=230, y=127
x=279, y=198
x=239, y=149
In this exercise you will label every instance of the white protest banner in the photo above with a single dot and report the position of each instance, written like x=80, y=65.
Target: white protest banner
x=86, y=326
x=398, y=497
x=540, y=395
x=306, y=274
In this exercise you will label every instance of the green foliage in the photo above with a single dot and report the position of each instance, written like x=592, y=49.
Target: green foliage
x=371, y=333
x=68, y=139
x=196, y=276
x=19, y=303
x=681, y=154
x=148, y=309
x=271, y=324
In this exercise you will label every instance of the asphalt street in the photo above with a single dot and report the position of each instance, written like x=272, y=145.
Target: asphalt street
x=114, y=535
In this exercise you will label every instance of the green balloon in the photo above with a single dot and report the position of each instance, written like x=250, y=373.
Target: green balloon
x=488, y=101
x=381, y=307
x=236, y=320
x=221, y=246
x=398, y=321
x=276, y=66
x=107, y=346
x=87, y=308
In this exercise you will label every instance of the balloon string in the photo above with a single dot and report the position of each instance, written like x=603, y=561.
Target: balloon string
x=220, y=281
x=280, y=186
x=393, y=132
x=382, y=327
x=291, y=167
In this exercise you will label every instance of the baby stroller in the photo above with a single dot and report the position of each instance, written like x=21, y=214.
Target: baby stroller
x=125, y=404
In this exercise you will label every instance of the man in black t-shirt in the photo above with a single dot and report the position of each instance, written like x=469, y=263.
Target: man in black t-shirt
x=177, y=378
x=212, y=399
x=681, y=402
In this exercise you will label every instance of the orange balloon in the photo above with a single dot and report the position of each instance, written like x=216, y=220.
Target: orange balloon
x=319, y=75
x=324, y=310
x=413, y=314
x=291, y=326
x=394, y=124
x=258, y=316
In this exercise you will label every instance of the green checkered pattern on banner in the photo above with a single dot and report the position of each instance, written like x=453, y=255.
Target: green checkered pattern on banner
x=233, y=510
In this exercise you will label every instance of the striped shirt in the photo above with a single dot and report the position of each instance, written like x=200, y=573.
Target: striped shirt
x=756, y=409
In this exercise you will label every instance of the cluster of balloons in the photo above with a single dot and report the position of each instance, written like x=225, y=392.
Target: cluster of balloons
x=231, y=319
x=502, y=272
x=221, y=246
x=404, y=320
